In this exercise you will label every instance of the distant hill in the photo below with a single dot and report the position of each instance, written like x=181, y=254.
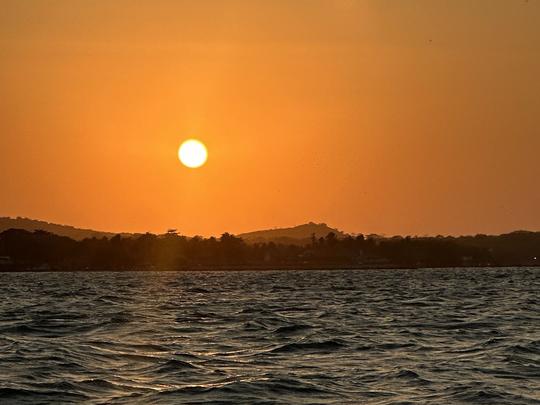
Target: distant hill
x=298, y=235
x=62, y=230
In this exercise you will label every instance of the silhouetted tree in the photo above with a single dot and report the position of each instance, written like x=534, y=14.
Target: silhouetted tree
x=28, y=250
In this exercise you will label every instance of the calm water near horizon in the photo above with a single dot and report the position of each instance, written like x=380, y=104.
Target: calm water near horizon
x=429, y=336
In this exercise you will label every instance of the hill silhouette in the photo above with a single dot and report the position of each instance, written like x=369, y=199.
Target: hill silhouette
x=41, y=250
x=33, y=245
x=28, y=224
x=297, y=235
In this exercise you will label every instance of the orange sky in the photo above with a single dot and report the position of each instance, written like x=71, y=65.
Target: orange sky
x=409, y=117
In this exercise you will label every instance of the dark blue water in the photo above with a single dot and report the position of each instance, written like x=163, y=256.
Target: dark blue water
x=445, y=336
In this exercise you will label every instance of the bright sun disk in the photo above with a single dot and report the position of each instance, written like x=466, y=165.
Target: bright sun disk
x=192, y=153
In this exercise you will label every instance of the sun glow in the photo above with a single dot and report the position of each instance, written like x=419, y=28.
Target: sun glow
x=192, y=153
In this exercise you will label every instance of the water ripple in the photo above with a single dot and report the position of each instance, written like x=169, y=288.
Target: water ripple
x=431, y=336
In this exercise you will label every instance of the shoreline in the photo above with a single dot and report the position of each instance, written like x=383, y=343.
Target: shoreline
x=245, y=268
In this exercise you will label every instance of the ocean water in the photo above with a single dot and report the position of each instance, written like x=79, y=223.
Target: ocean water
x=430, y=336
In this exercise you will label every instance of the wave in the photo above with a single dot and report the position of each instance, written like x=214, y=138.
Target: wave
x=341, y=337
x=245, y=389
x=36, y=396
x=289, y=329
x=174, y=365
x=324, y=346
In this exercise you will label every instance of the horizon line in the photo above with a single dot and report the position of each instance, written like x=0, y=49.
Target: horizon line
x=277, y=228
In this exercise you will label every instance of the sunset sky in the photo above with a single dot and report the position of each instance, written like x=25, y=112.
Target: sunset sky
x=385, y=116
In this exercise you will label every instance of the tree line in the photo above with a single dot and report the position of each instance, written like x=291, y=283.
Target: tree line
x=21, y=249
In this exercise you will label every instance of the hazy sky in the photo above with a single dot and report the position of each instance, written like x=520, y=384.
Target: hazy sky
x=387, y=116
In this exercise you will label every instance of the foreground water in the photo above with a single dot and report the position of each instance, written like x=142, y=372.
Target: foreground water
x=428, y=336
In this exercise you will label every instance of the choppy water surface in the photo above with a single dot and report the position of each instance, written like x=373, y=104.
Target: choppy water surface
x=373, y=337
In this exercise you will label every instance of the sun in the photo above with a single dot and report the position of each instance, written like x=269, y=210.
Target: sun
x=192, y=153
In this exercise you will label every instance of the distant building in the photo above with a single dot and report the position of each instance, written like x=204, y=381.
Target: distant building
x=531, y=261
x=5, y=261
